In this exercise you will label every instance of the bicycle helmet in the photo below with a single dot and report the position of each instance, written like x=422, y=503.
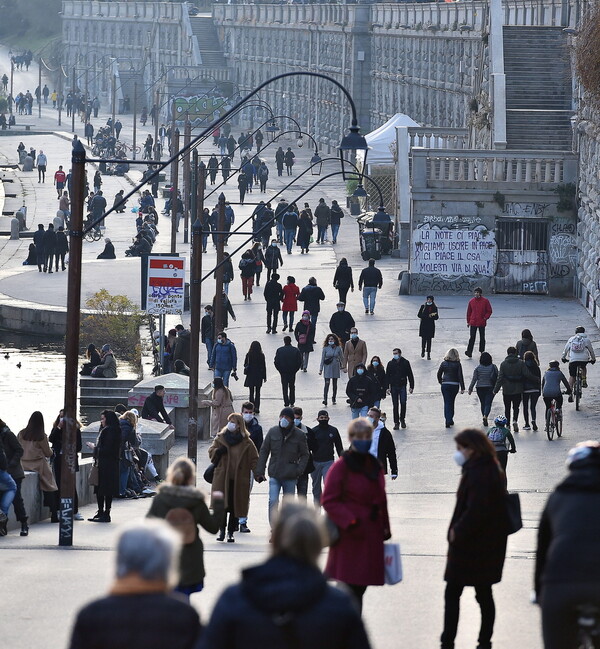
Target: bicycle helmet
x=589, y=451
x=501, y=421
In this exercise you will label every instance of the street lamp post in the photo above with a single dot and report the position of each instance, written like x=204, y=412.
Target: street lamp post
x=174, y=189
x=219, y=272
x=187, y=138
x=73, y=82
x=40, y=88
x=134, y=118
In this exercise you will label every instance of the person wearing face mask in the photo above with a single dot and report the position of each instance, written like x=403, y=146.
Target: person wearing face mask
x=221, y=404
x=361, y=392
x=450, y=378
x=255, y=369
x=305, y=337
x=399, y=375
x=312, y=296
x=235, y=457
x=273, y=258
x=343, y=280
x=286, y=449
x=223, y=359
x=382, y=444
x=354, y=499
x=428, y=314
x=256, y=435
x=376, y=372
x=355, y=352
x=479, y=311
x=341, y=322
x=273, y=294
x=207, y=330
x=289, y=306
x=288, y=361
x=476, y=535
x=327, y=440
x=302, y=483
x=331, y=365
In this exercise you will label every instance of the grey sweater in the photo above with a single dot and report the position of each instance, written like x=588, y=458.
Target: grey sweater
x=484, y=376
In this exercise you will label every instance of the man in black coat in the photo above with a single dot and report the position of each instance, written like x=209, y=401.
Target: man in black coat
x=154, y=407
x=38, y=239
x=49, y=246
x=398, y=374
x=273, y=294
x=273, y=259
x=341, y=322
x=361, y=391
x=312, y=295
x=327, y=440
x=207, y=330
x=98, y=207
x=62, y=248
x=382, y=443
x=288, y=361
x=182, y=345
x=369, y=281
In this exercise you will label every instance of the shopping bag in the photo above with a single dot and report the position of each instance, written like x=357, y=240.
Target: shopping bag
x=393, y=563
x=513, y=513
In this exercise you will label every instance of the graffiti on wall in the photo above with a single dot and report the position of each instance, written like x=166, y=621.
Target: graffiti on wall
x=199, y=108
x=524, y=209
x=562, y=250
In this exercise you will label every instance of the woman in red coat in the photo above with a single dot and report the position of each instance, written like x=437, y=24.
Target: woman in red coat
x=354, y=499
x=289, y=306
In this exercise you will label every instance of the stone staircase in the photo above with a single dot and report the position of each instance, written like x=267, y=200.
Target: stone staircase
x=538, y=89
x=209, y=45
x=126, y=81
x=104, y=393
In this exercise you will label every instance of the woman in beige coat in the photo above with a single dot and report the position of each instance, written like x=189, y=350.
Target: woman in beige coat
x=36, y=453
x=235, y=457
x=221, y=404
x=355, y=352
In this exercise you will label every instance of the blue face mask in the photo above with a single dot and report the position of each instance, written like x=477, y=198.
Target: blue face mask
x=332, y=342
x=360, y=371
x=354, y=336
x=297, y=422
x=375, y=363
x=361, y=445
x=284, y=423
x=397, y=357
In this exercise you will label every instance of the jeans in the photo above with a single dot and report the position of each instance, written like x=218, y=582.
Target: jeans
x=124, y=467
x=272, y=317
x=302, y=485
x=486, y=396
x=279, y=232
x=449, y=392
x=471, y=344
x=321, y=233
x=361, y=411
x=318, y=479
x=399, y=394
x=275, y=486
x=313, y=321
x=369, y=295
x=513, y=400
x=288, y=386
x=224, y=374
x=305, y=356
x=530, y=400
x=288, y=315
x=485, y=599
x=209, y=348
x=334, y=232
x=8, y=489
x=288, y=235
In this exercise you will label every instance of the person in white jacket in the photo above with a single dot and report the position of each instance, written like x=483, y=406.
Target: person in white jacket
x=578, y=351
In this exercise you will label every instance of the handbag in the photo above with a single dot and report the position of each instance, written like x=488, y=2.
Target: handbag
x=514, y=522
x=209, y=474
x=392, y=563
x=93, y=477
x=328, y=360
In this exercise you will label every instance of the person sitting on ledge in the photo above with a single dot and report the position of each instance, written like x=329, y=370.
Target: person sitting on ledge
x=32, y=256
x=109, y=250
x=154, y=408
x=108, y=368
x=93, y=360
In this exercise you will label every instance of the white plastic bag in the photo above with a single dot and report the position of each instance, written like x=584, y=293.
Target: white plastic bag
x=393, y=563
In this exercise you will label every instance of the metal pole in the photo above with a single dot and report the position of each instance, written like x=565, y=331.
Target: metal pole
x=134, y=118
x=161, y=347
x=69, y=435
x=12, y=72
x=174, y=189
x=113, y=100
x=156, y=117
x=40, y=88
x=73, y=101
x=187, y=138
x=219, y=272
x=87, y=91
x=60, y=92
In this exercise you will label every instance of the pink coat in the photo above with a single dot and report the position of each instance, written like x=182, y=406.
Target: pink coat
x=350, y=499
x=478, y=311
x=290, y=297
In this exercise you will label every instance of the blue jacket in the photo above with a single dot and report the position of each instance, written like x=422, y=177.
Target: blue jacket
x=224, y=357
x=256, y=432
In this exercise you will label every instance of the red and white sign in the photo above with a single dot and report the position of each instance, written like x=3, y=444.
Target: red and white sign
x=166, y=279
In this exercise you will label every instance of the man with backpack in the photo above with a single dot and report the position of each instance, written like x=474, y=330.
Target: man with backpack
x=579, y=352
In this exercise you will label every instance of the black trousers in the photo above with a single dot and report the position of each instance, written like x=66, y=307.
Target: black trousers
x=60, y=257
x=471, y=344
x=272, y=317
x=514, y=401
x=358, y=593
x=326, y=389
x=288, y=385
x=343, y=292
x=18, y=504
x=48, y=259
x=231, y=521
x=255, y=396
x=485, y=599
x=530, y=400
x=426, y=345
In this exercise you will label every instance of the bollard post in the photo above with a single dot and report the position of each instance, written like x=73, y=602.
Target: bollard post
x=14, y=228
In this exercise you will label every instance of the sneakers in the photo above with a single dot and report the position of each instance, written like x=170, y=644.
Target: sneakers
x=527, y=427
x=230, y=538
x=3, y=524
x=402, y=423
x=244, y=529
x=366, y=310
x=534, y=425
x=515, y=427
x=77, y=517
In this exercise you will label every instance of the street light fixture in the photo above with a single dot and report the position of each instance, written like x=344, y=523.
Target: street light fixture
x=316, y=164
x=360, y=191
x=271, y=129
x=351, y=143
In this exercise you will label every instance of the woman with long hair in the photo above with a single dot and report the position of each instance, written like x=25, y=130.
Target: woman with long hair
x=428, y=314
x=331, y=365
x=259, y=260
x=450, y=377
x=355, y=500
x=255, y=369
x=55, y=440
x=305, y=230
x=289, y=306
x=527, y=344
x=128, y=425
x=477, y=534
x=342, y=280
x=36, y=456
x=178, y=493
x=376, y=372
x=305, y=337
x=221, y=404
x=93, y=356
x=532, y=388
x=484, y=380
x=235, y=457
x=106, y=455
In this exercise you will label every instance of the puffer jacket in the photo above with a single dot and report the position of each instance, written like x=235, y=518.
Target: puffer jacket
x=288, y=453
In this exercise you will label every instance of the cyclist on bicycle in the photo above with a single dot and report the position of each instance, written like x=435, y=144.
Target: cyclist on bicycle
x=502, y=439
x=551, y=385
x=578, y=351
x=567, y=570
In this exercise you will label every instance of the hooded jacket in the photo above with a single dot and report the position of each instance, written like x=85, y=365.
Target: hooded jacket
x=182, y=347
x=512, y=375
x=579, y=340
x=224, y=357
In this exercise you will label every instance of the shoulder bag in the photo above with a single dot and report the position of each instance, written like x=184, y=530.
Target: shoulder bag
x=514, y=522
x=93, y=477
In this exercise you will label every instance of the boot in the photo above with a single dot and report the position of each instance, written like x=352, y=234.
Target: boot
x=54, y=517
x=24, y=527
x=97, y=516
x=333, y=396
x=230, y=538
x=221, y=536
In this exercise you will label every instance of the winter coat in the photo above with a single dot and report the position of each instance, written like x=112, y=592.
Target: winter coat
x=385, y=449
x=526, y=345
x=182, y=347
x=235, y=464
x=377, y=375
x=228, y=270
x=307, y=329
x=168, y=497
x=511, y=376
x=248, y=615
x=340, y=324
x=49, y=243
x=35, y=458
x=227, y=309
x=247, y=266
x=154, y=408
x=312, y=296
x=327, y=439
x=290, y=220
x=479, y=311
x=398, y=373
x=273, y=257
x=336, y=214
x=322, y=215
x=207, y=326
x=451, y=372
x=256, y=432
x=343, y=277
x=428, y=314
x=334, y=368
x=484, y=376
x=107, y=454
x=354, y=354
x=288, y=359
x=55, y=440
x=107, y=622
x=288, y=451
x=354, y=499
x=305, y=232
x=14, y=453
x=361, y=387
x=108, y=366
x=289, y=158
x=551, y=383
x=273, y=294
x=370, y=277
x=534, y=383
x=62, y=243
x=223, y=357
x=476, y=555
x=290, y=297
x=256, y=372
x=222, y=406
x=569, y=530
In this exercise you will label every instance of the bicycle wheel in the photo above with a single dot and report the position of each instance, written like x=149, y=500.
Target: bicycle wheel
x=559, y=425
x=549, y=425
x=89, y=236
x=577, y=388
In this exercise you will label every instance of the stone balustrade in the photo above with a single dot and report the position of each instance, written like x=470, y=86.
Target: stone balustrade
x=124, y=10
x=438, y=137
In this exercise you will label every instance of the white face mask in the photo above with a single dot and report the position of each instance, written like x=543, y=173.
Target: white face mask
x=231, y=426
x=248, y=417
x=459, y=457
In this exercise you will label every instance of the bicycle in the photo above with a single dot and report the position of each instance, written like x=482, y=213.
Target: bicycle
x=589, y=626
x=578, y=386
x=554, y=420
x=94, y=234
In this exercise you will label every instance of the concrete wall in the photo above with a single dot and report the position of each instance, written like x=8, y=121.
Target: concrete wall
x=27, y=317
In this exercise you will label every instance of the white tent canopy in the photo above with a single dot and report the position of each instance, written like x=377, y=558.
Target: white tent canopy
x=380, y=139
